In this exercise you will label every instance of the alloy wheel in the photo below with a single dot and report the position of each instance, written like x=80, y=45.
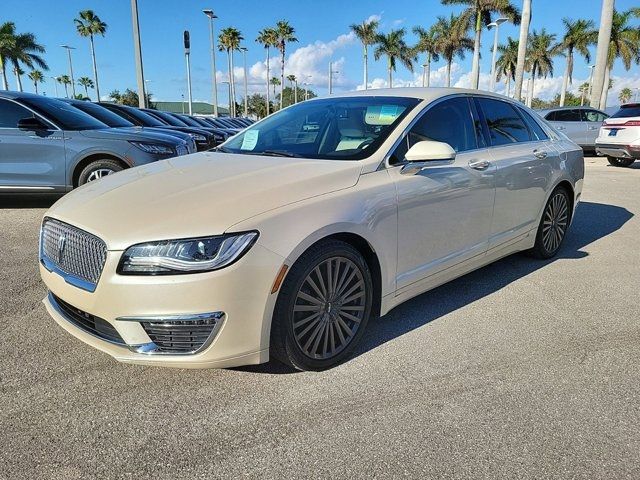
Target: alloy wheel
x=329, y=308
x=556, y=217
x=98, y=173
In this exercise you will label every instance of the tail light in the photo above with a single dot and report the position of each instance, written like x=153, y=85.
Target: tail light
x=632, y=123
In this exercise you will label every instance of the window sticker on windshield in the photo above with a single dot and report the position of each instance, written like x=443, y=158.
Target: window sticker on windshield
x=383, y=114
x=250, y=140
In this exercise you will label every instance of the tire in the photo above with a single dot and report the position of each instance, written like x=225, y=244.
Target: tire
x=98, y=169
x=620, y=162
x=554, y=224
x=310, y=331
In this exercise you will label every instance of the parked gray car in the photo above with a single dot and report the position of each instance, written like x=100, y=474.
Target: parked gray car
x=47, y=145
x=580, y=124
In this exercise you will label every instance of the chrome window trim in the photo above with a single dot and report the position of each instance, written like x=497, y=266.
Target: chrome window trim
x=38, y=115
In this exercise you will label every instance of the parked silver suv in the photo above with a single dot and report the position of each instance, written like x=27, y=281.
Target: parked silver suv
x=580, y=124
x=47, y=145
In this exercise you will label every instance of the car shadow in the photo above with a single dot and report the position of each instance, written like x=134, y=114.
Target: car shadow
x=592, y=222
x=23, y=200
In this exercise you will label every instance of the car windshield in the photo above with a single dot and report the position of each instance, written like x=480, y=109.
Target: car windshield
x=105, y=116
x=64, y=115
x=144, y=118
x=627, y=111
x=345, y=128
x=170, y=119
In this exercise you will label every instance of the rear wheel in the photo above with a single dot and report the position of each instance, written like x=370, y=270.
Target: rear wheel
x=98, y=169
x=323, y=307
x=554, y=224
x=620, y=162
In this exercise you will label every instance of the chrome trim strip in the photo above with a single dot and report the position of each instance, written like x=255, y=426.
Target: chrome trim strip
x=68, y=278
x=20, y=187
x=173, y=318
x=63, y=314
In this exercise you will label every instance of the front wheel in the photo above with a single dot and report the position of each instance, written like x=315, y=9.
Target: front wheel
x=98, y=169
x=554, y=224
x=620, y=162
x=323, y=307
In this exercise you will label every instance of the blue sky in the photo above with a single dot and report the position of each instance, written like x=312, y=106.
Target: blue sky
x=322, y=28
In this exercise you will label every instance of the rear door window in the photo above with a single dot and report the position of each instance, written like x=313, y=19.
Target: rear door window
x=628, y=111
x=567, y=116
x=593, y=116
x=533, y=124
x=503, y=122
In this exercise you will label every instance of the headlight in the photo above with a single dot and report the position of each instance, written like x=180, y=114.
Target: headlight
x=198, y=137
x=193, y=255
x=153, y=148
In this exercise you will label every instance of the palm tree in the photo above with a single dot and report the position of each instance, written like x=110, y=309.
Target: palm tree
x=268, y=38
x=88, y=25
x=480, y=12
x=7, y=43
x=522, y=47
x=87, y=83
x=578, y=36
x=292, y=79
x=285, y=34
x=507, y=63
x=427, y=44
x=65, y=81
x=367, y=33
x=583, y=89
x=275, y=81
x=25, y=50
x=542, y=49
x=452, y=39
x=604, y=37
x=229, y=41
x=393, y=46
x=624, y=44
x=18, y=72
x=625, y=95
x=36, y=77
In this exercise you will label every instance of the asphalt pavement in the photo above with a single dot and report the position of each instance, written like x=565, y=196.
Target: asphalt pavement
x=523, y=369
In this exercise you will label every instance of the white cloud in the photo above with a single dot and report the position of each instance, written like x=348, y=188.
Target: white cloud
x=374, y=18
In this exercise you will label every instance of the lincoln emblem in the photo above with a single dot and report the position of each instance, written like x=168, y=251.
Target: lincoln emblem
x=61, y=243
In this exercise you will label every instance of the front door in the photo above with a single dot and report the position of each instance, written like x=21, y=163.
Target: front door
x=445, y=210
x=29, y=161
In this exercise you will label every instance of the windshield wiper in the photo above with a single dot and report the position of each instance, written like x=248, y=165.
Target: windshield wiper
x=277, y=153
x=220, y=149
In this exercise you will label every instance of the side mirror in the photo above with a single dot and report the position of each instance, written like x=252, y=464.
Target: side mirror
x=427, y=151
x=32, y=124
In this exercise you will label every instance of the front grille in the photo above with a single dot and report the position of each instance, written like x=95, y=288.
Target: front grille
x=87, y=322
x=179, y=336
x=73, y=251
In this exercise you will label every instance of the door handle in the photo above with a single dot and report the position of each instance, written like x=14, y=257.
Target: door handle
x=594, y=128
x=540, y=153
x=561, y=128
x=479, y=164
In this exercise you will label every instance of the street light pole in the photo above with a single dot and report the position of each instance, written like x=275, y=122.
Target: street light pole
x=424, y=75
x=209, y=13
x=55, y=84
x=246, y=101
x=73, y=83
x=331, y=72
x=137, y=50
x=229, y=94
x=495, y=24
x=591, y=67
x=187, y=52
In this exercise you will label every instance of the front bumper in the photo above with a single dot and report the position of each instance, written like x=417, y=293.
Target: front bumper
x=618, y=150
x=241, y=291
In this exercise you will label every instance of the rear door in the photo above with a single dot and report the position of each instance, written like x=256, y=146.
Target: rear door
x=569, y=122
x=593, y=120
x=29, y=160
x=522, y=159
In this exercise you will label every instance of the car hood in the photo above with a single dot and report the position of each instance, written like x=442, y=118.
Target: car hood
x=196, y=195
x=123, y=134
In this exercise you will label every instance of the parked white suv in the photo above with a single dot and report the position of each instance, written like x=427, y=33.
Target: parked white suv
x=619, y=138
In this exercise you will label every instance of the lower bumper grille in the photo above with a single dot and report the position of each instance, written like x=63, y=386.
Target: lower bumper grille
x=180, y=336
x=85, y=321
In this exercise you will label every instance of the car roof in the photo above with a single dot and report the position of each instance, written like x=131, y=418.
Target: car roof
x=18, y=95
x=422, y=93
x=557, y=109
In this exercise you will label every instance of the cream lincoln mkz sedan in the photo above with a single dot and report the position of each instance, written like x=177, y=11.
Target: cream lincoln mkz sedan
x=289, y=237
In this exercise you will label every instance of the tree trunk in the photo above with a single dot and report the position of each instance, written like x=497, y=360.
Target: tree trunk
x=449, y=73
x=18, y=80
x=232, y=76
x=390, y=72
x=605, y=89
x=508, y=82
x=66, y=90
x=366, y=68
x=35, y=86
x=281, y=75
x=268, y=78
x=95, y=69
x=565, y=80
x=86, y=91
x=604, y=38
x=522, y=47
x=295, y=92
x=475, y=68
x=3, y=68
x=428, y=73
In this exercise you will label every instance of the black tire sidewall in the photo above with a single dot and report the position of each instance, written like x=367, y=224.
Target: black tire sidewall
x=284, y=347
x=106, y=163
x=539, y=249
x=620, y=162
